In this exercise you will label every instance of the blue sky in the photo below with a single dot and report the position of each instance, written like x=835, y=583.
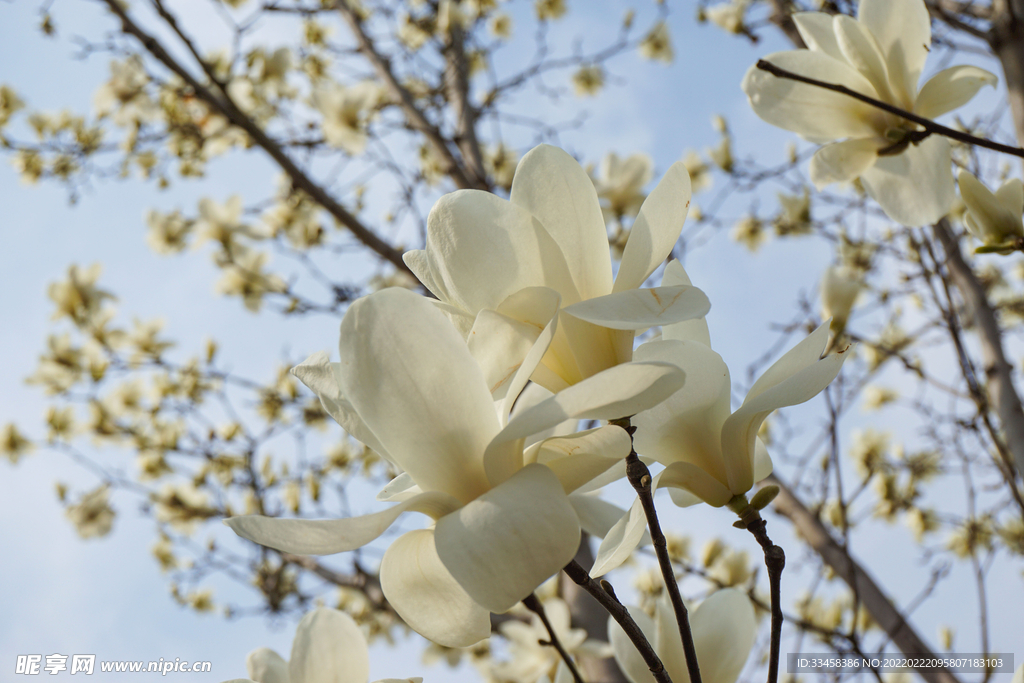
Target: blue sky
x=107, y=597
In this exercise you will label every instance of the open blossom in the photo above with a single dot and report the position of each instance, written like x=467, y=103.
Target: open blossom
x=723, y=629
x=495, y=265
x=328, y=646
x=880, y=54
x=408, y=387
x=995, y=219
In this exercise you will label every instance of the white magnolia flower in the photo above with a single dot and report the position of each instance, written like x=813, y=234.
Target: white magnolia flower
x=328, y=646
x=880, y=54
x=346, y=112
x=497, y=265
x=995, y=219
x=710, y=452
x=723, y=634
x=408, y=387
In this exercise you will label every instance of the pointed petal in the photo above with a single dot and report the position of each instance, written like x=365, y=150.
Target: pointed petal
x=549, y=184
x=578, y=459
x=952, y=88
x=638, y=309
x=807, y=110
x=842, y=162
x=656, y=229
x=411, y=378
x=485, y=248
x=266, y=666
x=903, y=31
x=915, y=187
x=818, y=33
x=328, y=648
x=625, y=653
x=723, y=634
x=695, y=329
x=692, y=478
x=426, y=596
x=621, y=540
x=504, y=544
x=329, y=536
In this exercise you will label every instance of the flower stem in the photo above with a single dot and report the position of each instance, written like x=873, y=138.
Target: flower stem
x=640, y=477
x=533, y=604
x=604, y=594
x=928, y=125
x=775, y=561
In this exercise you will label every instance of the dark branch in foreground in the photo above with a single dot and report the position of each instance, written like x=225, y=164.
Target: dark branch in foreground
x=930, y=127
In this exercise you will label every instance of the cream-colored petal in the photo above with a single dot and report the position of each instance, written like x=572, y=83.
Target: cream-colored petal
x=504, y=544
x=329, y=536
x=842, y=162
x=549, y=184
x=485, y=248
x=863, y=53
x=328, y=648
x=620, y=541
x=952, y=88
x=639, y=309
x=266, y=666
x=578, y=459
x=411, y=378
x=903, y=31
x=915, y=187
x=818, y=33
x=687, y=426
x=808, y=110
x=625, y=653
x=656, y=229
x=692, y=478
x=426, y=596
x=615, y=393
x=695, y=329
x=723, y=634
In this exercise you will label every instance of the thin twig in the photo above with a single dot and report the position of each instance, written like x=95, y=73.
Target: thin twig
x=929, y=126
x=606, y=596
x=533, y=604
x=640, y=477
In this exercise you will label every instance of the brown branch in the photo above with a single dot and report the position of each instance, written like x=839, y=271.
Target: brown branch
x=417, y=119
x=885, y=614
x=930, y=127
x=224, y=105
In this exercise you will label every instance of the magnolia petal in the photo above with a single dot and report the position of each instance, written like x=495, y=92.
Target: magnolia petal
x=486, y=248
x=321, y=376
x=638, y=309
x=328, y=648
x=915, y=187
x=615, y=393
x=620, y=541
x=399, y=489
x=807, y=110
x=266, y=666
x=862, y=51
x=740, y=430
x=692, y=478
x=952, y=88
x=695, y=329
x=723, y=634
x=817, y=32
x=412, y=380
x=504, y=544
x=656, y=229
x=578, y=459
x=552, y=186
x=329, y=536
x=903, y=31
x=842, y=162
x=626, y=655
x=426, y=596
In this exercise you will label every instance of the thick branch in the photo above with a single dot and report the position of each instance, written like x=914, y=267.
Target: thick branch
x=856, y=577
x=226, y=107
x=417, y=120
